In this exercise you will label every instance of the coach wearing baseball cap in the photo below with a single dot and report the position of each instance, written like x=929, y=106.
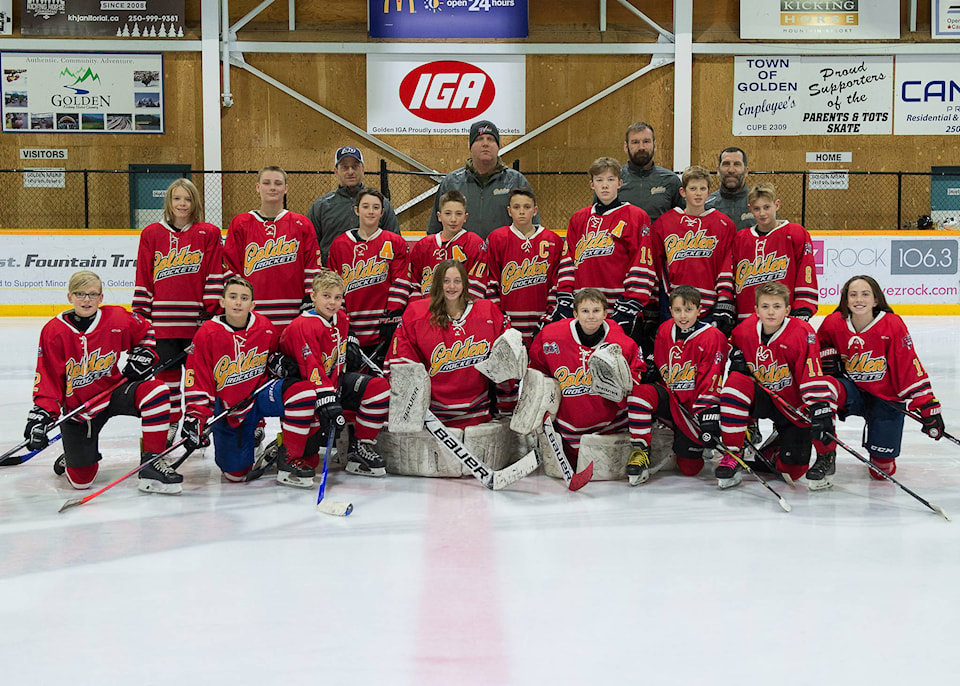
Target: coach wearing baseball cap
x=484, y=181
x=333, y=213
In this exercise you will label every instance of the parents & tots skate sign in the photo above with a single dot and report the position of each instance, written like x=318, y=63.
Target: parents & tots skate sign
x=812, y=96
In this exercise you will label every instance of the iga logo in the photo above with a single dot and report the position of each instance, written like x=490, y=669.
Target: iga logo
x=447, y=92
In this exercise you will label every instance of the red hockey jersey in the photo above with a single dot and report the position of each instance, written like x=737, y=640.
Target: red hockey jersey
x=228, y=365
x=375, y=272
x=695, y=251
x=179, y=275
x=318, y=346
x=881, y=359
x=557, y=352
x=279, y=257
x=459, y=394
x=73, y=366
x=526, y=274
x=785, y=255
x=429, y=251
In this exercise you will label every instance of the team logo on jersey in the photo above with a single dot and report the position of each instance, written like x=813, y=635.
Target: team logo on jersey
x=658, y=189
x=337, y=356
x=527, y=273
x=680, y=377
x=461, y=354
x=774, y=376
x=365, y=273
x=863, y=367
x=551, y=348
x=270, y=254
x=573, y=383
x=764, y=268
x=691, y=244
x=230, y=372
x=907, y=342
x=88, y=369
x=593, y=244
x=176, y=262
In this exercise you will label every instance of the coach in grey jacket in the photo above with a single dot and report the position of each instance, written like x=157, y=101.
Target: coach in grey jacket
x=731, y=199
x=484, y=181
x=651, y=188
x=333, y=213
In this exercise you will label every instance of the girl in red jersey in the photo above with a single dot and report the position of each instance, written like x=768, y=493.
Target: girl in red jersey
x=179, y=280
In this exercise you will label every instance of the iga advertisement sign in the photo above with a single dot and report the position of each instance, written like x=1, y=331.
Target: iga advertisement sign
x=812, y=96
x=118, y=18
x=427, y=96
x=927, y=95
x=82, y=92
x=820, y=19
x=448, y=18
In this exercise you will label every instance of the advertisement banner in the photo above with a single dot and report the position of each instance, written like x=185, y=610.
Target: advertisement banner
x=820, y=19
x=945, y=19
x=927, y=98
x=118, y=18
x=448, y=18
x=82, y=92
x=812, y=96
x=429, y=95
x=6, y=17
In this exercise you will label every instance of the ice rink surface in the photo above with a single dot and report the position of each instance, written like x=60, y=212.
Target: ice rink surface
x=438, y=581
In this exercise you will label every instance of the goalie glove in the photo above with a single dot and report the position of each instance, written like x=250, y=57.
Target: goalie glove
x=282, y=366
x=329, y=412
x=821, y=422
x=610, y=376
x=564, y=309
x=39, y=422
x=738, y=363
x=932, y=421
x=708, y=420
x=803, y=313
x=724, y=316
x=625, y=312
x=140, y=363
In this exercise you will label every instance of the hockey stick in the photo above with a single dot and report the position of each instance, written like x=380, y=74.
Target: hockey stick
x=492, y=479
x=904, y=411
x=87, y=498
x=693, y=420
x=330, y=507
x=797, y=414
x=575, y=481
x=86, y=406
x=20, y=459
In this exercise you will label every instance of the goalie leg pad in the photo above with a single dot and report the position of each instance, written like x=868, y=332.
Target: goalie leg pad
x=610, y=375
x=493, y=443
x=418, y=454
x=507, y=359
x=539, y=395
x=609, y=454
x=409, y=397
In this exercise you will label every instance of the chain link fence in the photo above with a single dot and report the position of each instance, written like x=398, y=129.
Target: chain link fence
x=117, y=199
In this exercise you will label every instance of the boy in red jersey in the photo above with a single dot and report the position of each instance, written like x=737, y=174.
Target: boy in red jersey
x=782, y=354
x=275, y=250
x=689, y=357
x=78, y=359
x=773, y=250
x=179, y=280
x=326, y=355
x=869, y=351
x=531, y=275
x=692, y=247
x=373, y=264
x=452, y=243
x=228, y=364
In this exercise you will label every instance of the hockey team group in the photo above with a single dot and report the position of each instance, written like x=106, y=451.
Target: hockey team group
x=623, y=323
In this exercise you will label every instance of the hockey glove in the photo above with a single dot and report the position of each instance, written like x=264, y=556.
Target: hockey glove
x=39, y=422
x=329, y=412
x=625, y=312
x=192, y=433
x=932, y=421
x=388, y=324
x=821, y=422
x=205, y=316
x=307, y=304
x=725, y=316
x=830, y=362
x=282, y=366
x=803, y=313
x=354, y=358
x=564, y=309
x=738, y=363
x=140, y=363
x=651, y=374
x=709, y=421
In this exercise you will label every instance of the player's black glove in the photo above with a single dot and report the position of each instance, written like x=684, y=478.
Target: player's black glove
x=803, y=313
x=354, y=359
x=725, y=316
x=306, y=304
x=830, y=362
x=192, y=433
x=932, y=421
x=564, y=308
x=205, y=316
x=821, y=422
x=652, y=373
x=39, y=422
x=626, y=311
x=738, y=363
x=140, y=363
x=282, y=366
x=329, y=412
x=709, y=421
x=388, y=324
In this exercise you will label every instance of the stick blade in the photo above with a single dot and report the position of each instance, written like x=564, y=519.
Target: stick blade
x=581, y=478
x=784, y=504
x=940, y=511
x=11, y=461
x=331, y=507
x=71, y=503
x=516, y=471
